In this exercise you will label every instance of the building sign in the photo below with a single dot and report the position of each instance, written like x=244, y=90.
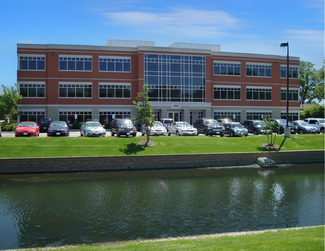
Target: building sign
x=176, y=106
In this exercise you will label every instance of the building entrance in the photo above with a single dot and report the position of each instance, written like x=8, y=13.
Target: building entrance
x=174, y=115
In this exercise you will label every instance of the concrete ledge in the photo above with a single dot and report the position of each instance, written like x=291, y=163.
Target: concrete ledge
x=150, y=162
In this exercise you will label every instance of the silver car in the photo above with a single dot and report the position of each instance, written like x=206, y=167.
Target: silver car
x=304, y=127
x=181, y=128
x=158, y=129
x=92, y=128
x=319, y=123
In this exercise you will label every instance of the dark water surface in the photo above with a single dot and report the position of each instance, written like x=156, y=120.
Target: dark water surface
x=74, y=208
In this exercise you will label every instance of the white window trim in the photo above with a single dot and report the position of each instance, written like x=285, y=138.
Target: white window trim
x=29, y=55
x=30, y=83
x=113, y=57
x=75, y=83
x=76, y=56
x=124, y=84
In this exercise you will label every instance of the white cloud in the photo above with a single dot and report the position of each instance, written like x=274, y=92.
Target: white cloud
x=312, y=35
x=179, y=21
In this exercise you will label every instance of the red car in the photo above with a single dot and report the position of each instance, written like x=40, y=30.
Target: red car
x=27, y=128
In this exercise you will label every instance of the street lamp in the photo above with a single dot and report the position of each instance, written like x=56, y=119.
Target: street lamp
x=287, y=129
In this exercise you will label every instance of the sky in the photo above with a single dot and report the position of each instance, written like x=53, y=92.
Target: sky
x=248, y=26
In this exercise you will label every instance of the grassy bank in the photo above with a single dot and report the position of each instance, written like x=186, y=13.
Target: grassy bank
x=119, y=146
x=293, y=239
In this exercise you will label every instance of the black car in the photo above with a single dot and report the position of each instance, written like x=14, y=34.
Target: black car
x=282, y=123
x=209, y=127
x=58, y=128
x=254, y=126
x=44, y=124
x=235, y=129
x=123, y=127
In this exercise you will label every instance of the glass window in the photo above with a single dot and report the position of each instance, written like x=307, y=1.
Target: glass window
x=75, y=63
x=258, y=70
x=115, y=91
x=32, y=90
x=293, y=94
x=226, y=68
x=114, y=64
x=230, y=93
x=31, y=63
x=293, y=71
x=258, y=93
x=75, y=90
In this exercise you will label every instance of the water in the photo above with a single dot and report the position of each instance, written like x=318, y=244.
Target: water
x=74, y=208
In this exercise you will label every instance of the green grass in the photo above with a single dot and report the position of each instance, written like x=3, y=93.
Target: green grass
x=301, y=239
x=114, y=146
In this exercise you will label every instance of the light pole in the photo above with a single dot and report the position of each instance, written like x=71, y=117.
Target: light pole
x=287, y=129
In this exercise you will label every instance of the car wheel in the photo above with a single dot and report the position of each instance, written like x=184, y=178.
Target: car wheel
x=255, y=132
x=301, y=131
x=118, y=134
x=322, y=130
x=177, y=133
x=221, y=135
x=134, y=135
x=231, y=134
x=206, y=133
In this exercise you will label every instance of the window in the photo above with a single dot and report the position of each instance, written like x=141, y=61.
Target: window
x=293, y=71
x=32, y=90
x=258, y=70
x=291, y=117
x=115, y=64
x=114, y=90
x=233, y=115
x=226, y=93
x=75, y=90
x=106, y=117
x=259, y=93
x=75, y=116
x=251, y=115
x=293, y=94
x=226, y=68
x=75, y=63
x=175, y=78
x=31, y=62
x=32, y=115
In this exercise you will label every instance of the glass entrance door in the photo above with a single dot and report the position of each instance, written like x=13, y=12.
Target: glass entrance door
x=174, y=115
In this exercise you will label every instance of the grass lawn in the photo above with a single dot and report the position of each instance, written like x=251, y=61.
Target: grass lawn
x=119, y=146
x=301, y=239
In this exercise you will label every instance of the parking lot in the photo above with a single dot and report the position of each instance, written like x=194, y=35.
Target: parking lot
x=76, y=133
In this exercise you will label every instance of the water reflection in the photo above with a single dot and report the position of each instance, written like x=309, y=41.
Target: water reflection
x=61, y=209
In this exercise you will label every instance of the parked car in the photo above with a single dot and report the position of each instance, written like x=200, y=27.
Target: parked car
x=282, y=123
x=224, y=120
x=44, y=124
x=304, y=127
x=181, y=128
x=167, y=122
x=319, y=123
x=209, y=127
x=235, y=129
x=123, y=127
x=92, y=128
x=157, y=129
x=254, y=126
x=27, y=128
x=58, y=128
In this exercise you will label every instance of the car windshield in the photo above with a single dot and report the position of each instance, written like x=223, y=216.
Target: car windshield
x=168, y=121
x=303, y=123
x=57, y=124
x=157, y=124
x=124, y=122
x=183, y=124
x=26, y=124
x=236, y=125
x=93, y=124
x=259, y=123
x=211, y=122
x=44, y=121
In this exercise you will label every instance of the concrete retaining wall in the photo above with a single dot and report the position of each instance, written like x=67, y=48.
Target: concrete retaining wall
x=91, y=164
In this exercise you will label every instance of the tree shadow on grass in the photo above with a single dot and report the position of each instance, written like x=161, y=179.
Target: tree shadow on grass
x=267, y=148
x=132, y=148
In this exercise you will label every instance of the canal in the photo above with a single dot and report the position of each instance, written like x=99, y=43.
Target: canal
x=74, y=208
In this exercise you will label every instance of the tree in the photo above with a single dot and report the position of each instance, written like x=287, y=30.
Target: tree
x=311, y=83
x=146, y=116
x=271, y=128
x=9, y=101
x=316, y=111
